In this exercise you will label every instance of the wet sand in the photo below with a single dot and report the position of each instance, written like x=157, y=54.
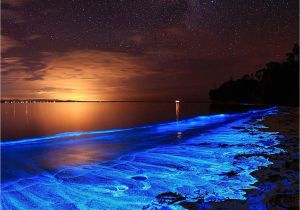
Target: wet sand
x=278, y=184
x=284, y=173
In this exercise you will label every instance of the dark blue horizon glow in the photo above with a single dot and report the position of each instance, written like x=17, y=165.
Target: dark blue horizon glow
x=191, y=157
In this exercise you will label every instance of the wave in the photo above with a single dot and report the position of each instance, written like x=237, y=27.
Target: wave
x=209, y=158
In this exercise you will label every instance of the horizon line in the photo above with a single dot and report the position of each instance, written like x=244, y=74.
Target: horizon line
x=70, y=100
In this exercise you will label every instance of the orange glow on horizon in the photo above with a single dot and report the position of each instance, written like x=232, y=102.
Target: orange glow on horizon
x=87, y=75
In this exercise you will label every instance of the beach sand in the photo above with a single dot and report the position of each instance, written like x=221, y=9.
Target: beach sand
x=278, y=184
x=284, y=172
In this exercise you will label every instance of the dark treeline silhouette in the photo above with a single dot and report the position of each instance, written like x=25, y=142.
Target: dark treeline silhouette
x=277, y=83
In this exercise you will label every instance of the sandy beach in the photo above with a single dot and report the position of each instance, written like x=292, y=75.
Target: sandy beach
x=283, y=174
x=278, y=184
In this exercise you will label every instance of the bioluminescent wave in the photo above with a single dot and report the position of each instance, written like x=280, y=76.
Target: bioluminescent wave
x=207, y=157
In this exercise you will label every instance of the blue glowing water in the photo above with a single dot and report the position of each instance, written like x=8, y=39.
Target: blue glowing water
x=207, y=157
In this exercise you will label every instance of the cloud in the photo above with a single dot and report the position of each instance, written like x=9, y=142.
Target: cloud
x=80, y=74
x=14, y=61
x=11, y=64
x=46, y=90
x=95, y=74
x=100, y=64
x=8, y=43
x=11, y=60
x=11, y=15
x=33, y=37
x=10, y=10
x=14, y=3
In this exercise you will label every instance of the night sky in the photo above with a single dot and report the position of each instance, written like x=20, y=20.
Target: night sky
x=138, y=49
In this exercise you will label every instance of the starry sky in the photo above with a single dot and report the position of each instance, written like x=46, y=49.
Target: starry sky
x=138, y=49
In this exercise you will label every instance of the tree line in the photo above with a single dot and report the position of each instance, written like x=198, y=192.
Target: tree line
x=277, y=83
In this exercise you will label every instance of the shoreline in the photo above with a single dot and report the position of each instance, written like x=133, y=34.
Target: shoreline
x=277, y=185
x=284, y=172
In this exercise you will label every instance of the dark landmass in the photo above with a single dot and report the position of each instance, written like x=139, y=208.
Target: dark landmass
x=277, y=83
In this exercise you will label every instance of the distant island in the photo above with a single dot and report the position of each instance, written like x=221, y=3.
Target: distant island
x=277, y=83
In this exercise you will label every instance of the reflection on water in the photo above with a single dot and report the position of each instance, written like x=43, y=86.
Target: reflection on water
x=21, y=121
x=177, y=109
x=179, y=133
